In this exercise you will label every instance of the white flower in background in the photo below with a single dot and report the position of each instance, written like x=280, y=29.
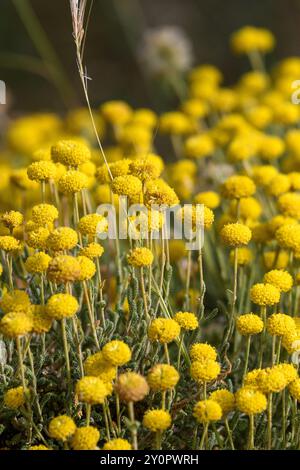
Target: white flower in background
x=166, y=49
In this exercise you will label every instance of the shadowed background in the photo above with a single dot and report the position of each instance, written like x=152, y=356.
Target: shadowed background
x=115, y=31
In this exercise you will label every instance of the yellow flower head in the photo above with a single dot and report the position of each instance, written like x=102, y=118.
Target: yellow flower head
x=280, y=279
x=61, y=306
x=41, y=320
x=164, y=330
x=72, y=182
x=250, y=39
x=226, y=400
x=91, y=390
x=162, y=377
x=244, y=256
x=117, y=353
x=8, y=243
x=186, y=320
x=41, y=171
x=14, y=398
x=12, y=219
x=70, y=153
x=147, y=168
x=117, y=444
x=249, y=324
x=98, y=366
x=289, y=205
x=131, y=387
x=206, y=411
x=264, y=294
x=15, y=324
x=271, y=380
x=92, y=250
x=202, y=352
x=128, y=185
x=116, y=112
x=235, y=235
x=237, y=187
x=199, y=146
x=85, y=438
x=157, y=420
x=140, y=257
x=43, y=215
x=87, y=268
x=280, y=324
x=210, y=199
x=62, y=428
x=63, y=269
x=294, y=389
x=15, y=301
x=37, y=263
x=205, y=370
x=250, y=401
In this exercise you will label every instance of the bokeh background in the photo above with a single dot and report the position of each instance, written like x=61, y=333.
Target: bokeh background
x=116, y=29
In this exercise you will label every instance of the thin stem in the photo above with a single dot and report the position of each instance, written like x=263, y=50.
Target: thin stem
x=204, y=434
x=133, y=425
x=248, y=344
x=167, y=353
x=66, y=348
x=269, y=412
x=90, y=313
x=251, y=433
x=88, y=414
x=229, y=434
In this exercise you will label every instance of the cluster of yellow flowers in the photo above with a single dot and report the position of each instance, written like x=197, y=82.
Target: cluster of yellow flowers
x=193, y=336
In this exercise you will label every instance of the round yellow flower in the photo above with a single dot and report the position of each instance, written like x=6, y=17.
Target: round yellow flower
x=235, y=234
x=147, y=168
x=15, y=301
x=38, y=238
x=271, y=381
x=289, y=205
x=70, y=153
x=14, y=398
x=202, y=352
x=62, y=238
x=8, y=243
x=62, y=428
x=174, y=122
x=128, y=185
x=249, y=324
x=72, y=182
x=225, y=399
x=294, y=389
x=250, y=401
x=61, y=306
x=288, y=237
x=63, y=269
x=210, y=199
x=15, y=324
x=244, y=256
x=117, y=444
x=44, y=214
x=163, y=330
x=41, y=171
x=39, y=447
x=116, y=112
x=92, y=250
x=37, y=263
x=91, y=390
x=205, y=370
x=264, y=294
x=280, y=324
x=237, y=187
x=92, y=224
x=157, y=420
x=288, y=370
x=206, y=411
x=250, y=38
x=131, y=387
x=140, y=257
x=40, y=318
x=117, y=353
x=85, y=438
x=87, y=268
x=12, y=219
x=98, y=366
x=162, y=377
x=186, y=320
x=199, y=146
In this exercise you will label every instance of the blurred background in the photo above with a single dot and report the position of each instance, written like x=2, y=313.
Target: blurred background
x=37, y=56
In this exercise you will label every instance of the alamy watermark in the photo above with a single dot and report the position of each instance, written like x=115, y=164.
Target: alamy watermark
x=140, y=222
x=2, y=92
